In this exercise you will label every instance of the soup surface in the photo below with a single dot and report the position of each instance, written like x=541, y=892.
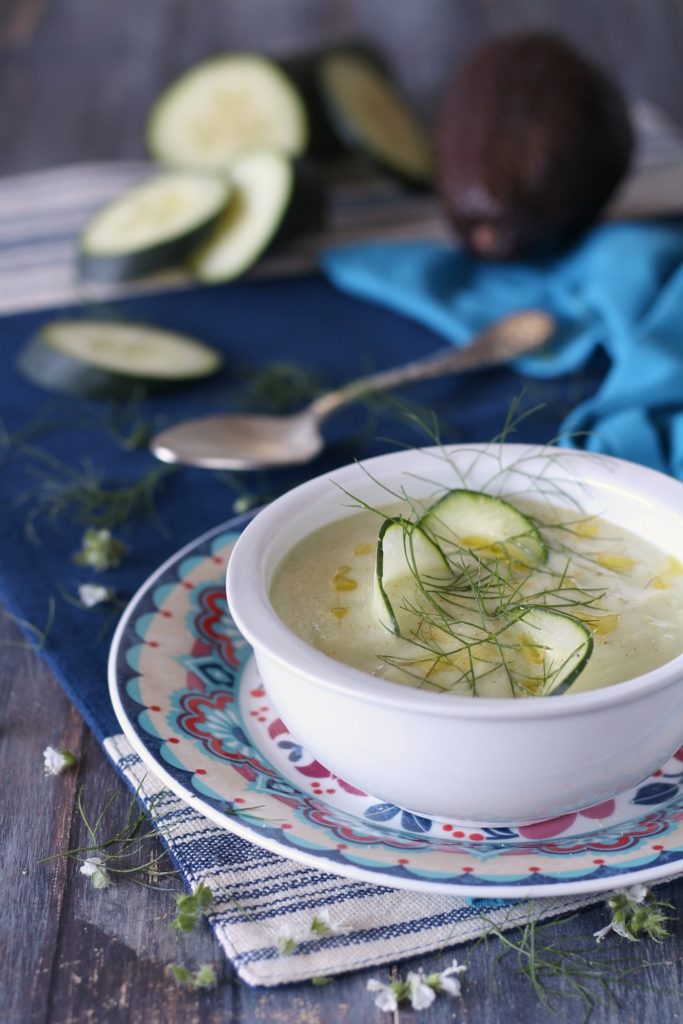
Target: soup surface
x=626, y=594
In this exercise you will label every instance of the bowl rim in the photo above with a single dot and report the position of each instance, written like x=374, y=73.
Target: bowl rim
x=267, y=633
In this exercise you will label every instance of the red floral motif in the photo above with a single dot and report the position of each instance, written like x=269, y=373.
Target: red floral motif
x=649, y=827
x=556, y=826
x=277, y=727
x=198, y=719
x=314, y=769
x=211, y=622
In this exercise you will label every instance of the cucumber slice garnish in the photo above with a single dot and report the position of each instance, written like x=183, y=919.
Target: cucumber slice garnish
x=272, y=199
x=223, y=107
x=547, y=650
x=489, y=526
x=427, y=594
x=370, y=115
x=408, y=564
x=98, y=357
x=152, y=225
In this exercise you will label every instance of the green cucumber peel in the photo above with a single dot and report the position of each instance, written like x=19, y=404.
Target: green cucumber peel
x=575, y=650
x=404, y=552
x=463, y=514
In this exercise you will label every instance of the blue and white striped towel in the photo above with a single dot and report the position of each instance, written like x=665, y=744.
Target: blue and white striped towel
x=258, y=896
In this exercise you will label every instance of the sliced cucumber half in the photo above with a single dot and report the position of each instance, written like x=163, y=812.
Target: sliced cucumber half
x=98, y=357
x=485, y=524
x=272, y=199
x=370, y=115
x=153, y=225
x=223, y=107
x=546, y=650
x=408, y=564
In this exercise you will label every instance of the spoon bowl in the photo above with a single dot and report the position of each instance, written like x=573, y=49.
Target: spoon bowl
x=235, y=441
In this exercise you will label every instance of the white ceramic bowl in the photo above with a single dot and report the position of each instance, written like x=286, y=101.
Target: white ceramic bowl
x=461, y=757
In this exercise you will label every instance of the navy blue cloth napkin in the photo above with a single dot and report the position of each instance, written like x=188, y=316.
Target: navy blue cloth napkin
x=303, y=320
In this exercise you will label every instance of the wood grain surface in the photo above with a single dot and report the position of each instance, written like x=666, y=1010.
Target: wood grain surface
x=76, y=78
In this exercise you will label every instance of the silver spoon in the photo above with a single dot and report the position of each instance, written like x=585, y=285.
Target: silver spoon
x=237, y=441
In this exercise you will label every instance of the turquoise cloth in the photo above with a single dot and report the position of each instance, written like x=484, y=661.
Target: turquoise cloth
x=620, y=289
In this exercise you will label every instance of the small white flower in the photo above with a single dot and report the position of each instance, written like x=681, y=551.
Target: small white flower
x=91, y=594
x=100, y=550
x=449, y=980
x=288, y=938
x=618, y=927
x=602, y=933
x=57, y=761
x=94, y=869
x=623, y=904
x=323, y=924
x=242, y=504
x=386, y=998
x=637, y=893
x=419, y=988
x=421, y=994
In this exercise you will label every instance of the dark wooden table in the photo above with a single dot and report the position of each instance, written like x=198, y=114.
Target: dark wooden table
x=76, y=77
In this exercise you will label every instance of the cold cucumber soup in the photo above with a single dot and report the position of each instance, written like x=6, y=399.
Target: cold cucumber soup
x=478, y=596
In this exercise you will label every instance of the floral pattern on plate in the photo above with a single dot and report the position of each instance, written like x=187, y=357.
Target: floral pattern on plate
x=189, y=698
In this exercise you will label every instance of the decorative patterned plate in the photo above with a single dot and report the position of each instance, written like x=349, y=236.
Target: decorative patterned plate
x=189, y=699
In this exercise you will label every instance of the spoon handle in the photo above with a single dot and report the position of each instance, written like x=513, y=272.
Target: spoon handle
x=504, y=340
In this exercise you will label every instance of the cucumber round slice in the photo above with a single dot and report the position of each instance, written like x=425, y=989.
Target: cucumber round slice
x=98, y=357
x=408, y=563
x=223, y=107
x=486, y=524
x=152, y=225
x=550, y=650
x=369, y=115
x=304, y=71
x=272, y=199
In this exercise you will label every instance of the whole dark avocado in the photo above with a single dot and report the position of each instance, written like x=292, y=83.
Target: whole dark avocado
x=532, y=140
